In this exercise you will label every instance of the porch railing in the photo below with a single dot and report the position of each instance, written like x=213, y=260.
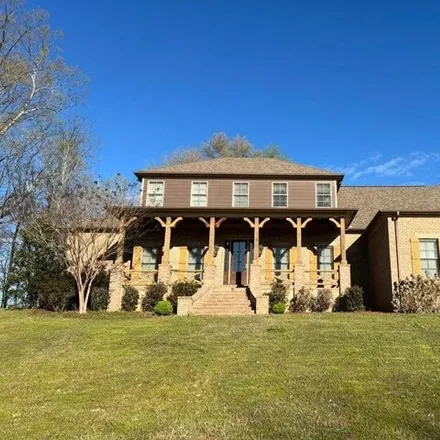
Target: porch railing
x=284, y=275
x=142, y=275
x=196, y=275
x=323, y=279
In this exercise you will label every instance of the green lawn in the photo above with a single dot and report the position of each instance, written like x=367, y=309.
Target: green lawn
x=129, y=376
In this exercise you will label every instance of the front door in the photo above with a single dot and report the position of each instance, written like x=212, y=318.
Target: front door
x=238, y=258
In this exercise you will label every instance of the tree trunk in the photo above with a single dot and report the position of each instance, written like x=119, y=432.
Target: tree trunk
x=82, y=299
x=7, y=283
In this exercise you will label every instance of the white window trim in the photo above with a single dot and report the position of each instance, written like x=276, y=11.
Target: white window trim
x=330, y=182
x=163, y=193
x=142, y=192
x=287, y=195
x=191, y=194
x=248, y=192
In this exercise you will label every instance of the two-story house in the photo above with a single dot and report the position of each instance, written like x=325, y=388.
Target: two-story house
x=237, y=224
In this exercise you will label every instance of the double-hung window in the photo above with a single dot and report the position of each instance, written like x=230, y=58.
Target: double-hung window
x=325, y=258
x=150, y=259
x=195, y=262
x=199, y=194
x=155, y=191
x=240, y=197
x=429, y=258
x=279, y=194
x=280, y=259
x=323, y=195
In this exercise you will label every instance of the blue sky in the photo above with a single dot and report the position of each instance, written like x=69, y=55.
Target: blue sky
x=352, y=86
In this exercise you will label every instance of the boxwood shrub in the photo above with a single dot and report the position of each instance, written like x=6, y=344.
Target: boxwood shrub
x=182, y=288
x=153, y=294
x=130, y=299
x=163, y=308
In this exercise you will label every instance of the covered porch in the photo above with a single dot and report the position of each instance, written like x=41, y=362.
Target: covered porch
x=251, y=249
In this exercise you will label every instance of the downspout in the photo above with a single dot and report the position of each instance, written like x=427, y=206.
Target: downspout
x=396, y=241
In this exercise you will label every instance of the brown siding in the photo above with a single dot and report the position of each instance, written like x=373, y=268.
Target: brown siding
x=301, y=194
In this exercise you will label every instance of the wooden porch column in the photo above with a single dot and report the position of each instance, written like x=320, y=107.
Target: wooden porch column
x=212, y=225
x=344, y=267
x=343, y=246
x=121, y=243
x=167, y=224
x=341, y=226
x=256, y=225
x=299, y=226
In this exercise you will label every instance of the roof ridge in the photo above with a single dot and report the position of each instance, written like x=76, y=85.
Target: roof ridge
x=243, y=166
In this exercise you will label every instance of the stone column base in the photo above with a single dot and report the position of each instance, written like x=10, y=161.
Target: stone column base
x=116, y=290
x=300, y=277
x=164, y=273
x=344, y=277
x=184, y=304
x=209, y=273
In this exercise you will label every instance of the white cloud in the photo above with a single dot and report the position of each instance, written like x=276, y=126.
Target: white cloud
x=393, y=167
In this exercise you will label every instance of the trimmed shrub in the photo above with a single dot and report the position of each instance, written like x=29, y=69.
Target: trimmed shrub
x=56, y=294
x=323, y=300
x=352, y=300
x=417, y=295
x=163, y=308
x=279, y=307
x=277, y=293
x=130, y=299
x=301, y=301
x=182, y=288
x=99, y=298
x=153, y=294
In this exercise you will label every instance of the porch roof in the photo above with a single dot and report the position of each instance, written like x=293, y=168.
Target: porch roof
x=321, y=213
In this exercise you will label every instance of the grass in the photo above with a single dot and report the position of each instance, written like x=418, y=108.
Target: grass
x=129, y=376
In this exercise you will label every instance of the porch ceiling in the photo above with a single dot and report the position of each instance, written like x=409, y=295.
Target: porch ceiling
x=323, y=213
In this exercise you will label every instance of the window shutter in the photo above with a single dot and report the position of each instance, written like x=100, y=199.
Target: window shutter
x=292, y=260
x=415, y=256
x=292, y=257
x=183, y=262
x=268, y=259
x=313, y=265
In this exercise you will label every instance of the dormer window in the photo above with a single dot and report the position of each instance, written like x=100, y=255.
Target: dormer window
x=155, y=192
x=279, y=194
x=323, y=195
x=199, y=194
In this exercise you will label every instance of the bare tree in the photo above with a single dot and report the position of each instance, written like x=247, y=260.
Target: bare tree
x=219, y=145
x=34, y=83
x=87, y=228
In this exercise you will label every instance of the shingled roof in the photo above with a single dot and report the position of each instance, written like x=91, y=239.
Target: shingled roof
x=240, y=166
x=369, y=200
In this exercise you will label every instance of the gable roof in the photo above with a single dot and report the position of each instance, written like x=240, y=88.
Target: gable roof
x=371, y=199
x=248, y=166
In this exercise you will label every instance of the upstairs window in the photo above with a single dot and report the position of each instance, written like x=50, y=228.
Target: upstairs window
x=429, y=258
x=199, y=194
x=155, y=192
x=325, y=258
x=240, y=197
x=279, y=194
x=323, y=195
x=150, y=259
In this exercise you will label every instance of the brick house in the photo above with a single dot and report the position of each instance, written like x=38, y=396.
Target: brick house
x=237, y=224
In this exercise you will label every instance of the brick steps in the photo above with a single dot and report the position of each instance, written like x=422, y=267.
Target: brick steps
x=224, y=300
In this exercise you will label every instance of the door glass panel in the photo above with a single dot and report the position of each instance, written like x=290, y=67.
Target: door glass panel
x=239, y=256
